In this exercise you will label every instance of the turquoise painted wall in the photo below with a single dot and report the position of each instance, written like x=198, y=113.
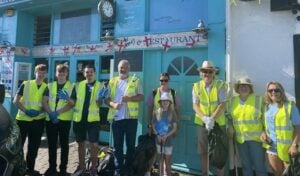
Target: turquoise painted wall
x=216, y=35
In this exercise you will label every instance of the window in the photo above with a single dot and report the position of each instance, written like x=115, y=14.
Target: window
x=75, y=26
x=107, y=26
x=42, y=30
x=105, y=64
x=135, y=59
x=183, y=64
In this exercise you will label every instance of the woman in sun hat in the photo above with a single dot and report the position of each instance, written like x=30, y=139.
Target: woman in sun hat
x=282, y=127
x=245, y=111
x=164, y=126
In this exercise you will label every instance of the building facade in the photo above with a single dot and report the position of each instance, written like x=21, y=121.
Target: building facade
x=155, y=36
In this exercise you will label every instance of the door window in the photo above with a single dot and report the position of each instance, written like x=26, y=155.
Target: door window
x=183, y=65
x=80, y=68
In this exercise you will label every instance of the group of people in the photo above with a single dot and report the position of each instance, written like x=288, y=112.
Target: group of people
x=258, y=125
x=57, y=104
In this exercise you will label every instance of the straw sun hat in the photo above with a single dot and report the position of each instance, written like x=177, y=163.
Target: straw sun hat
x=207, y=65
x=245, y=81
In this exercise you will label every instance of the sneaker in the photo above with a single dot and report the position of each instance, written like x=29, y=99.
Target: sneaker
x=78, y=172
x=51, y=172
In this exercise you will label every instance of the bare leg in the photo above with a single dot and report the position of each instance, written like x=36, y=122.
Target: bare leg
x=168, y=164
x=204, y=163
x=81, y=155
x=276, y=164
x=94, y=154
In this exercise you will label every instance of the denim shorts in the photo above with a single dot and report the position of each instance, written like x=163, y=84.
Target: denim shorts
x=167, y=150
x=86, y=130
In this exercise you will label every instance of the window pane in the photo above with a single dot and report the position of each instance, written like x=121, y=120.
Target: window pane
x=193, y=71
x=187, y=63
x=177, y=63
x=172, y=71
x=42, y=30
x=105, y=64
x=135, y=59
x=75, y=26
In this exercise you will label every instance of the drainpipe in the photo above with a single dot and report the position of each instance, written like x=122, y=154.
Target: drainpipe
x=228, y=47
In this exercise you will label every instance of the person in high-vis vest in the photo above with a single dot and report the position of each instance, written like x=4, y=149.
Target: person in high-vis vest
x=58, y=99
x=246, y=110
x=154, y=96
x=124, y=95
x=209, y=101
x=153, y=105
x=30, y=116
x=86, y=119
x=282, y=127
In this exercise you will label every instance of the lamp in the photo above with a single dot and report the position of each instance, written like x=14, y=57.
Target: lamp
x=201, y=29
x=10, y=12
x=7, y=46
x=107, y=36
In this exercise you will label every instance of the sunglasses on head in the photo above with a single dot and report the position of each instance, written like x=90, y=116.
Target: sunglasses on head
x=207, y=71
x=163, y=80
x=274, y=90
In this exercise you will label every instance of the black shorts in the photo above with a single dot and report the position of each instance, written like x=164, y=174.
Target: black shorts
x=84, y=130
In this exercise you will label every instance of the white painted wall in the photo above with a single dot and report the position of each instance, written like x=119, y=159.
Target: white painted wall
x=260, y=44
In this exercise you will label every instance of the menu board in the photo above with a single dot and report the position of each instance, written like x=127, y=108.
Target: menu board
x=6, y=74
x=131, y=15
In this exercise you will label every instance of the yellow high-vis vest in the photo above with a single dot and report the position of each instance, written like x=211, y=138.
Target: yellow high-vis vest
x=32, y=99
x=284, y=130
x=133, y=107
x=65, y=116
x=93, y=115
x=209, y=102
x=247, y=118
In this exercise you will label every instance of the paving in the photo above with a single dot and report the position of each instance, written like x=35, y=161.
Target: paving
x=42, y=159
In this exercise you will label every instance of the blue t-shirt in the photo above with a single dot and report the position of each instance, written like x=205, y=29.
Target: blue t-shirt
x=164, y=126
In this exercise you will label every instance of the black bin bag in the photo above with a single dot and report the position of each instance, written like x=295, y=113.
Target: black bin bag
x=218, y=147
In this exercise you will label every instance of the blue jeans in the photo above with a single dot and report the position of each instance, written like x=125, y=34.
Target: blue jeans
x=124, y=128
x=252, y=156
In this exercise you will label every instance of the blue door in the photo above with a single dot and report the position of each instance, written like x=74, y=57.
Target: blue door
x=182, y=66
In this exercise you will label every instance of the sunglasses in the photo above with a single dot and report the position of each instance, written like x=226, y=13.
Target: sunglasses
x=207, y=72
x=164, y=80
x=274, y=90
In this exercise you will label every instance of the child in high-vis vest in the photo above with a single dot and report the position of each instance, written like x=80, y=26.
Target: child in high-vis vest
x=164, y=126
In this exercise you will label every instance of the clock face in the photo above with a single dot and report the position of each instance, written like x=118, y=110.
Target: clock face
x=107, y=9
